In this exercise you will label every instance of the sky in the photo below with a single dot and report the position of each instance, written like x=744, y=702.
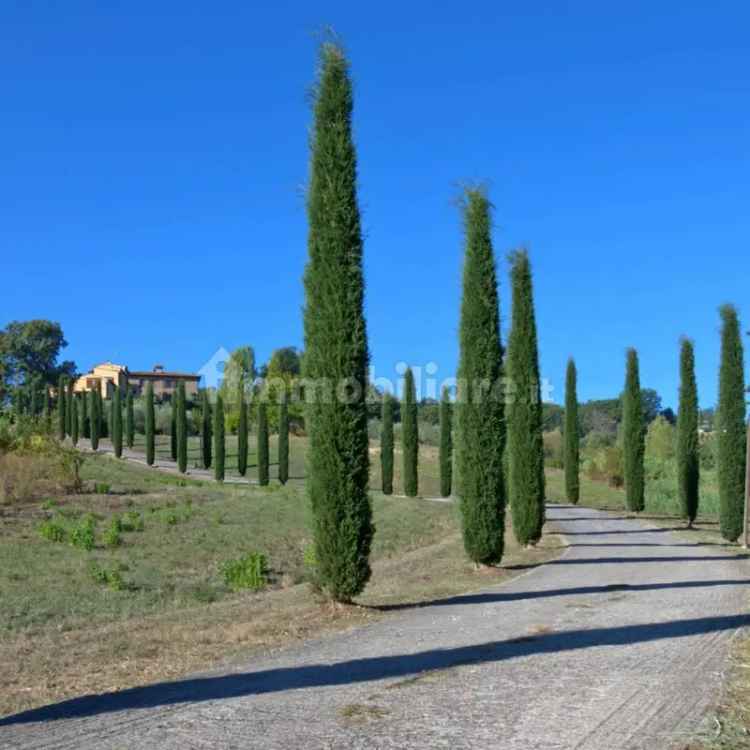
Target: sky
x=154, y=158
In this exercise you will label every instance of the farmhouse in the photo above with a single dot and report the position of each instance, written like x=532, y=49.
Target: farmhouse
x=105, y=376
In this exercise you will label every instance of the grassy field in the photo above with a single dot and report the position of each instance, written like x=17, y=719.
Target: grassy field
x=157, y=605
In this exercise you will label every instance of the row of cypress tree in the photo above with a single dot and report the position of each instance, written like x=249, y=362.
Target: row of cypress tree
x=730, y=428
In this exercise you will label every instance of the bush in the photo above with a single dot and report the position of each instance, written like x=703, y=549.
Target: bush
x=52, y=531
x=83, y=535
x=111, y=578
x=113, y=534
x=247, y=572
x=132, y=521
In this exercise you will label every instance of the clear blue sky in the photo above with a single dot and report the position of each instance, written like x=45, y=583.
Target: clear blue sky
x=154, y=156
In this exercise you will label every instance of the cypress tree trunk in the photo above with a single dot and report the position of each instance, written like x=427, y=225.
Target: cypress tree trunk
x=129, y=418
x=634, y=437
x=219, y=446
x=572, y=435
x=61, y=408
x=173, y=427
x=731, y=427
x=206, y=436
x=262, y=443
x=410, y=436
x=479, y=407
x=182, y=429
x=688, y=451
x=283, y=439
x=117, y=422
x=386, y=445
x=525, y=444
x=94, y=421
x=74, y=420
x=242, y=433
x=150, y=425
x=446, y=444
x=336, y=354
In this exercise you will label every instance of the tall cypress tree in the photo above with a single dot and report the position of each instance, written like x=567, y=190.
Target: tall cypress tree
x=572, y=435
x=94, y=420
x=74, y=420
x=129, y=417
x=386, y=445
x=731, y=427
x=69, y=408
x=150, y=425
x=116, y=421
x=206, y=432
x=104, y=413
x=242, y=431
x=525, y=444
x=634, y=437
x=173, y=427
x=263, y=472
x=410, y=436
x=219, y=447
x=336, y=353
x=446, y=444
x=182, y=428
x=688, y=449
x=283, y=438
x=83, y=413
x=479, y=407
x=61, y=422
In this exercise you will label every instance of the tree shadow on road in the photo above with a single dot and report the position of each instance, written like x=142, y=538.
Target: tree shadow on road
x=352, y=671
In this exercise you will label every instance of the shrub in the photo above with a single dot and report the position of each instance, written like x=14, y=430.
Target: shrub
x=112, y=536
x=52, y=531
x=102, y=488
x=133, y=521
x=108, y=577
x=247, y=572
x=83, y=535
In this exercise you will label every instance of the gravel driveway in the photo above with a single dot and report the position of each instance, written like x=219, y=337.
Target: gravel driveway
x=620, y=643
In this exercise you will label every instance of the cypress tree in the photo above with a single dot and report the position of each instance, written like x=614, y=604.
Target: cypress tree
x=479, y=407
x=95, y=421
x=173, y=427
x=688, y=449
x=150, y=425
x=206, y=436
x=129, y=417
x=446, y=444
x=410, y=436
x=82, y=414
x=283, y=439
x=634, y=438
x=386, y=445
x=336, y=354
x=572, y=435
x=262, y=443
x=731, y=427
x=61, y=407
x=182, y=428
x=104, y=415
x=525, y=444
x=117, y=422
x=69, y=409
x=74, y=420
x=218, y=431
x=242, y=432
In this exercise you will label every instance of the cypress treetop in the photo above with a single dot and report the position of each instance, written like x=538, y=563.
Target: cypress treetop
x=479, y=406
x=732, y=434
x=571, y=435
x=634, y=436
x=336, y=353
x=525, y=443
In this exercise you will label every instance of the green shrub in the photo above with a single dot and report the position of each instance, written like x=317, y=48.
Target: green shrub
x=83, y=535
x=247, y=572
x=102, y=488
x=132, y=521
x=113, y=534
x=52, y=531
x=106, y=577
